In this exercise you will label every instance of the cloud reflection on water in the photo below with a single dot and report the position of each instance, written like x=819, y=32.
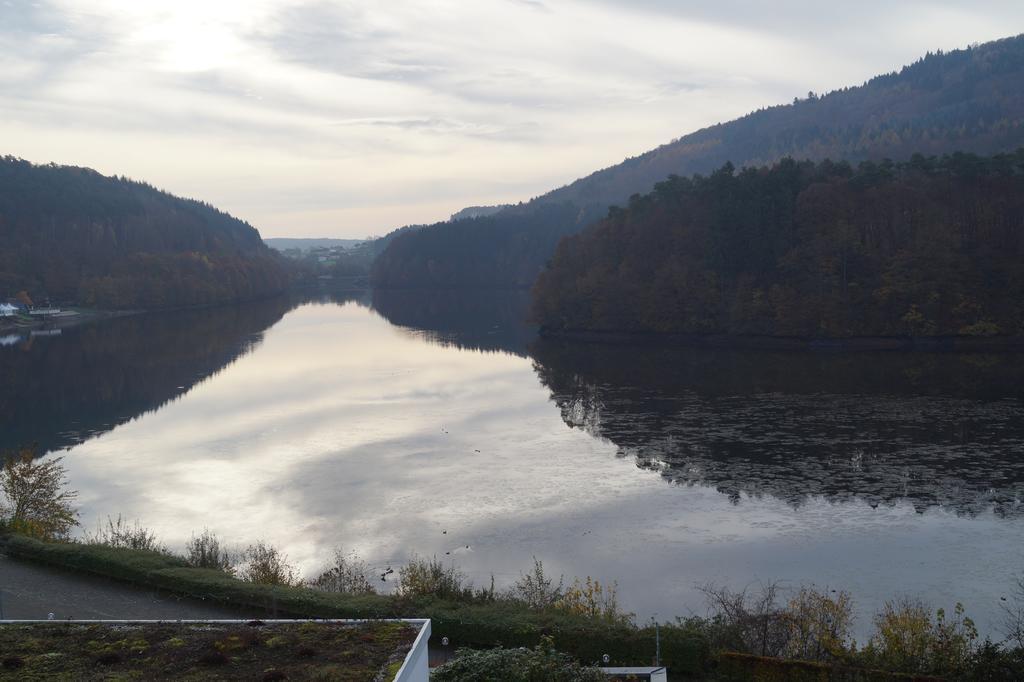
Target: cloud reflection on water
x=340, y=429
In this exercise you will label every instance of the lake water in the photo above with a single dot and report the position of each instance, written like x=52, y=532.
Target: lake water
x=438, y=424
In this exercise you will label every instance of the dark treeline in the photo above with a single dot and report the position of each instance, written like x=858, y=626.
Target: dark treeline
x=930, y=247
x=506, y=250
x=969, y=100
x=76, y=236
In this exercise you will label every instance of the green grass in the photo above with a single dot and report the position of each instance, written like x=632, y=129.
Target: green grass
x=473, y=625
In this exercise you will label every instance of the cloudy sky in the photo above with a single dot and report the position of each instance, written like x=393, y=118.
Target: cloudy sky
x=351, y=117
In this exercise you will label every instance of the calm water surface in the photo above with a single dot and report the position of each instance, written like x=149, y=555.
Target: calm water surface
x=395, y=424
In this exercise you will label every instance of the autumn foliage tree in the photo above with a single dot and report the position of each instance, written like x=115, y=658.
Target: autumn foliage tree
x=35, y=500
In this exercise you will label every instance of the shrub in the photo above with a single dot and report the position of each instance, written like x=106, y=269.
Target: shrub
x=993, y=663
x=542, y=662
x=745, y=622
x=34, y=501
x=347, y=575
x=536, y=590
x=591, y=599
x=902, y=631
x=430, y=577
x=812, y=626
x=264, y=564
x=908, y=640
x=954, y=642
x=204, y=551
x=819, y=625
x=120, y=535
x=1013, y=616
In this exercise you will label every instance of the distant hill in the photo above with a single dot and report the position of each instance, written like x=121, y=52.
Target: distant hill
x=505, y=250
x=309, y=243
x=477, y=212
x=930, y=247
x=968, y=100
x=74, y=235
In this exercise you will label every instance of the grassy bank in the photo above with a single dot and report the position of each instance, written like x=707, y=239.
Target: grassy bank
x=475, y=625
x=734, y=667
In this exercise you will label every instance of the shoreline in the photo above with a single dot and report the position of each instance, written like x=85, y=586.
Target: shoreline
x=468, y=623
x=74, y=316
x=954, y=344
x=71, y=317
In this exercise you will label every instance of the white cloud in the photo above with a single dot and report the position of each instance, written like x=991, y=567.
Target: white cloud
x=349, y=117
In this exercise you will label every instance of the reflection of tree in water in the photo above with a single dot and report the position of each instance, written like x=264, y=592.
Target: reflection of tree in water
x=936, y=429
x=487, y=320
x=60, y=391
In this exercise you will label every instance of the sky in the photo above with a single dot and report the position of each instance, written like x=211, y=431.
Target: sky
x=350, y=118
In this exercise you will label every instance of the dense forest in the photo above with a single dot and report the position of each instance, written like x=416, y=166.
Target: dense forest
x=505, y=250
x=969, y=100
x=930, y=247
x=75, y=236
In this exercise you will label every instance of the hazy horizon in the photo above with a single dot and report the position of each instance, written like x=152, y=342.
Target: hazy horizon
x=346, y=119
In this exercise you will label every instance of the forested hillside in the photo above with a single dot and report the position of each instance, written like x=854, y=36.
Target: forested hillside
x=501, y=251
x=74, y=235
x=969, y=100
x=933, y=246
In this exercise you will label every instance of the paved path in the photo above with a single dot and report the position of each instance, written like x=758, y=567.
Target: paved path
x=30, y=591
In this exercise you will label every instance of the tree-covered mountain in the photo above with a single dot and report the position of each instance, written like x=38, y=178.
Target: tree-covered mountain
x=476, y=212
x=969, y=100
x=74, y=235
x=505, y=250
x=930, y=247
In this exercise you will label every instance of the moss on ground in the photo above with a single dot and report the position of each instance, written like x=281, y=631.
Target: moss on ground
x=207, y=651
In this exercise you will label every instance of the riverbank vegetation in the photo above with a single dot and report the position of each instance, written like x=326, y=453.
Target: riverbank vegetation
x=743, y=631
x=33, y=498
x=931, y=247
